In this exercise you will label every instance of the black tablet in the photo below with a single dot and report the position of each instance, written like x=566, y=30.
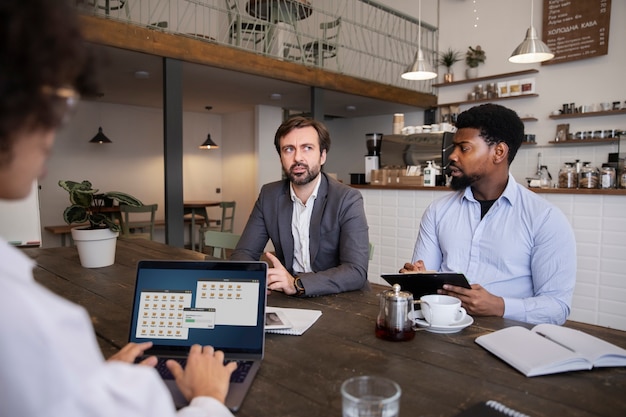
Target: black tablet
x=423, y=283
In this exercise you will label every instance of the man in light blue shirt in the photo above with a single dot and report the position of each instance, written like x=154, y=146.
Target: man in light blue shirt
x=516, y=249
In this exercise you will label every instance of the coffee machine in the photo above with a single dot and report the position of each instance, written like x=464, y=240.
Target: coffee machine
x=372, y=159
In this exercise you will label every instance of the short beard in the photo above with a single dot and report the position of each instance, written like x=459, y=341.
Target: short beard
x=460, y=183
x=302, y=180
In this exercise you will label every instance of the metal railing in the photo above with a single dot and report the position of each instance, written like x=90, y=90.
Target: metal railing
x=372, y=41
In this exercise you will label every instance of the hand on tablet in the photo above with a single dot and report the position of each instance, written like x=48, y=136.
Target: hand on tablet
x=408, y=267
x=477, y=301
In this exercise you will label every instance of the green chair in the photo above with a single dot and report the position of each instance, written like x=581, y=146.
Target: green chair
x=228, y=217
x=136, y=218
x=371, y=251
x=219, y=241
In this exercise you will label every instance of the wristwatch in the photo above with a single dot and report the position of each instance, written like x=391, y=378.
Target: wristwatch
x=299, y=287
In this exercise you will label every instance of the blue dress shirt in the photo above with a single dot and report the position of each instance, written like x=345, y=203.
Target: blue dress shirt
x=523, y=250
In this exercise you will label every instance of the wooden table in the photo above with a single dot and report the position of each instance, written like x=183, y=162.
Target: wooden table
x=440, y=374
x=197, y=208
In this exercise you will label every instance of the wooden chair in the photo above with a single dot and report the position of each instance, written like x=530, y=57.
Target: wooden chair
x=129, y=225
x=219, y=241
x=243, y=28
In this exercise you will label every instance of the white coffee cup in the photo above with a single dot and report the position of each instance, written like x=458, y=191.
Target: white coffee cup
x=606, y=106
x=442, y=310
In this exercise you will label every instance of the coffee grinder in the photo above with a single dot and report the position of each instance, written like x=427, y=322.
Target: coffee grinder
x=372, y=159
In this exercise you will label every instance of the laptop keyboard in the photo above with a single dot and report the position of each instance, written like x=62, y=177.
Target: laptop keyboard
x=238, y=376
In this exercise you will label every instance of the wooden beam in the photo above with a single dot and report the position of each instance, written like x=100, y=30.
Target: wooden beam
x=143, y=39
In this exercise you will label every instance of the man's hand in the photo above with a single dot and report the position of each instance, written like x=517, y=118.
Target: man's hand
x=477, y=301
x=408, y=267
x=204, y=375
x=132, y=351
x=278, y=278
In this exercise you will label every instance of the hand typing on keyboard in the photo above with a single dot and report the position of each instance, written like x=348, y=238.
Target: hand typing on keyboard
x=132, y=351
x=204, y=375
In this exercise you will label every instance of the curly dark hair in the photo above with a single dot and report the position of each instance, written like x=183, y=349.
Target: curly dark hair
x=41, y=50
x=496, y=124
x=298, y=122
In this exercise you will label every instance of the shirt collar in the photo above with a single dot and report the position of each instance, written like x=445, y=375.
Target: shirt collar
x=294, y=197
x=508, y=194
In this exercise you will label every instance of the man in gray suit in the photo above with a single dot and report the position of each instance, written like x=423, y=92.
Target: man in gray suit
x=317, y=224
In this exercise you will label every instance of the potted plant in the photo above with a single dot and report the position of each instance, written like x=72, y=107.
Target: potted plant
x=473, y=58
x=448, y=59
x=95, y=242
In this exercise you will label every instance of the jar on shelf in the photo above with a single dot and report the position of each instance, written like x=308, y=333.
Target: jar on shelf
x=607, y=176
x=589, y=176
x=568, y=178
x=622, y=178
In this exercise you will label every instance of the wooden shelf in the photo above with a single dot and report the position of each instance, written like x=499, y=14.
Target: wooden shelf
x=590, y=114
x=529, y=119
x=486, y=100
x=528, y=143
x=490, y=77
x=584, y=141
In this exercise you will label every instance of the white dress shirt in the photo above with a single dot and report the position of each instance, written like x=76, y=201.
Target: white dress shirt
x=51, y=364
x=300, y=226
x=522, y=250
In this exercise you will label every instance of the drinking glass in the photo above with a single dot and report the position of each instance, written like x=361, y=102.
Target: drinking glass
x=370, y=396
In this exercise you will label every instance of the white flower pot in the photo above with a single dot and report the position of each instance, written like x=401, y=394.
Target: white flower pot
x=471, y=73
x=96, y=247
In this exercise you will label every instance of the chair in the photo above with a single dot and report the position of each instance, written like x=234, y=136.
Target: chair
x=242, y=28
x=223, y=225
x=371, y=251
x=220, y=241
x=317, y=51
x=228, y=216
x=129, y=225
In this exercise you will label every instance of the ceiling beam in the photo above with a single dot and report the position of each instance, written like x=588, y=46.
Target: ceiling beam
x=155, y=42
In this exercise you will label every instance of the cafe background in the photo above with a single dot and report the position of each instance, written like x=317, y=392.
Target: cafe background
x=246, y=158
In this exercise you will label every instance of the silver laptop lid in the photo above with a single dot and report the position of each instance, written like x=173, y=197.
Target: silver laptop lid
x=218, y=303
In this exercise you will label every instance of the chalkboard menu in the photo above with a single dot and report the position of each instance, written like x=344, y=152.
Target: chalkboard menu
x=576, y=29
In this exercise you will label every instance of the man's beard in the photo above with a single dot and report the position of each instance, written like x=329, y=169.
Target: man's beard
x=302, y=179
x=462, y=182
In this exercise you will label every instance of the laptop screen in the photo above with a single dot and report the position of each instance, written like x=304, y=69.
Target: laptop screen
x=217, y=303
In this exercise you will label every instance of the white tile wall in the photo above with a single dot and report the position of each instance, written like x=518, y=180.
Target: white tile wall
x=599, y=223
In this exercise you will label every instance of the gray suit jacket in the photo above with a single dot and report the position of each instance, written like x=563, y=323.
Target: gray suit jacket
x=339, y=241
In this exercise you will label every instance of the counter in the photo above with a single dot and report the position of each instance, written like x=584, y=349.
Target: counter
x=598, y=218
x=594, y=191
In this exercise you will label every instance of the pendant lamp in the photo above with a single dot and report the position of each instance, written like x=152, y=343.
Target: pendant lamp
x=100, y=137
x=532, y=49
x=420, y=68
x=208, y=143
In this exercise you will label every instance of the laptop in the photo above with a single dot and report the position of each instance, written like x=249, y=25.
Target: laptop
x=423, y=283
x=218, y=303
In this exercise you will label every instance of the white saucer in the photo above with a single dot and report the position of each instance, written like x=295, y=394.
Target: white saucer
x=453, y=328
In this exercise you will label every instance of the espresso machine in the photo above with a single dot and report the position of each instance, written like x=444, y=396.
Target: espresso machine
x=372, y=159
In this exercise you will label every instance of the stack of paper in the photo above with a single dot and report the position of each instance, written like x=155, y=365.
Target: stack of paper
x=293, y=321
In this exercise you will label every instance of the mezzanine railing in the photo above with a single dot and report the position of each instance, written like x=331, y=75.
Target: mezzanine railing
x=373, y=41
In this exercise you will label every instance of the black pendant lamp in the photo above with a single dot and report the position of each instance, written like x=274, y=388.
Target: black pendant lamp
x=100, y=137
x=208, y=143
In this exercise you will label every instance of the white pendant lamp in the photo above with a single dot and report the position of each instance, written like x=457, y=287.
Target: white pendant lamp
x=420, y=68
x=532, y=49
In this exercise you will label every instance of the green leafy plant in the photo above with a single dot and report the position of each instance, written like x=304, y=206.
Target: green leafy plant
x=449, y=58
x=87, y=204
x=475, y=56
